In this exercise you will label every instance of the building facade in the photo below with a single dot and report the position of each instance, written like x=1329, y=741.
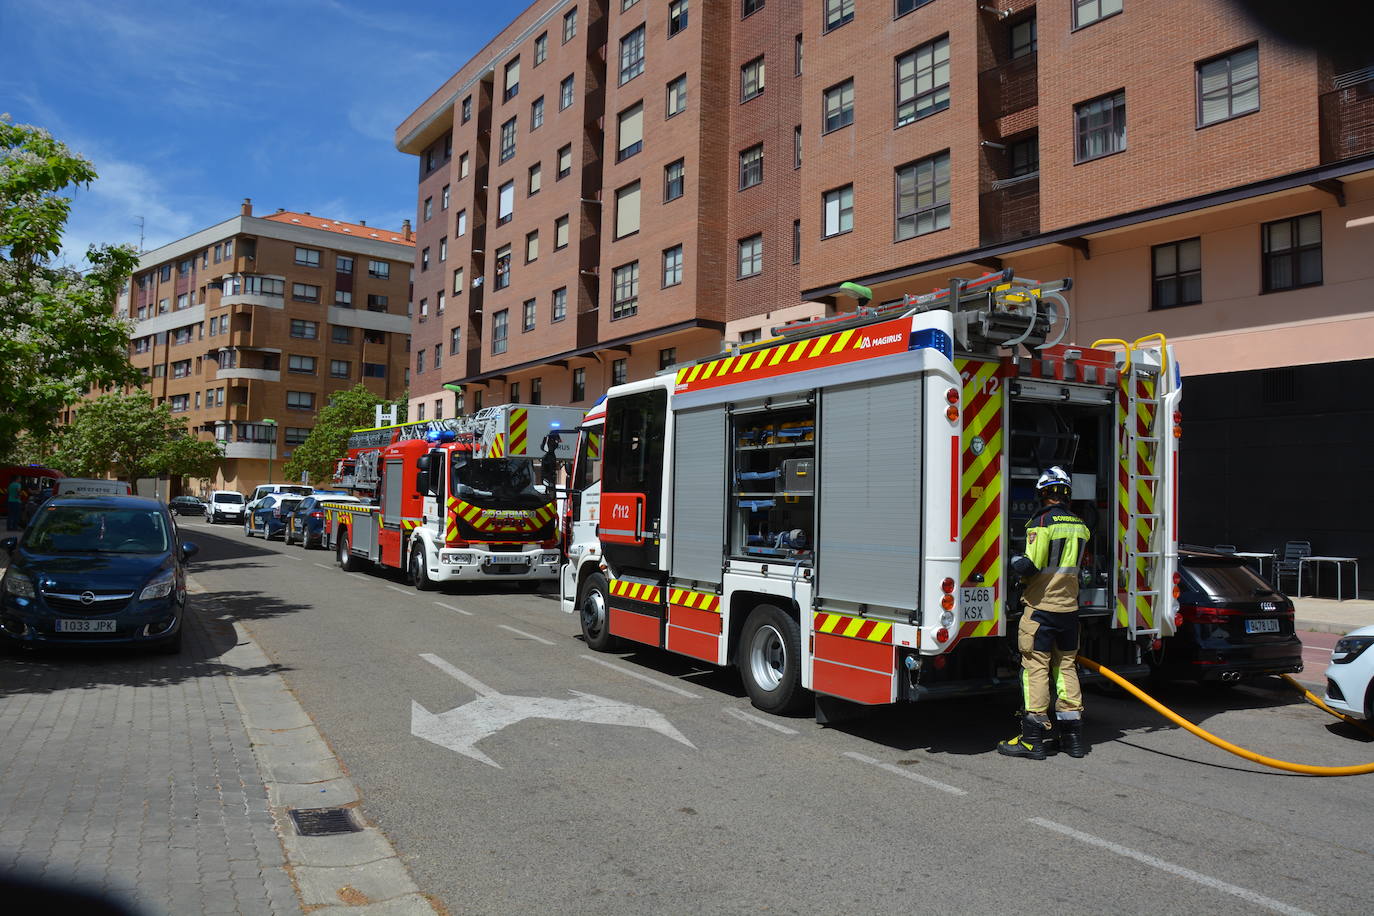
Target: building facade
x=247, y=328
x=708, y=170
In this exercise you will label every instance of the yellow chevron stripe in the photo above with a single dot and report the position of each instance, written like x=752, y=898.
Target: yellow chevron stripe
x=798, y=351
x=758, y=360
x=778, y=354
x=844, y=339
x=819, y=345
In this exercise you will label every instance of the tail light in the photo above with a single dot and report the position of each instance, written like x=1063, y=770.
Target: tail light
x=317, y=515
x=1201, y=613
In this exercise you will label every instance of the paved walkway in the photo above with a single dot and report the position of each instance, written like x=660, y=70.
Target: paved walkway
x=1327, y=615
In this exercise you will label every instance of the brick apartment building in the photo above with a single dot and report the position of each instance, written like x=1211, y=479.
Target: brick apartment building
x=260, y=319
x=612, y=185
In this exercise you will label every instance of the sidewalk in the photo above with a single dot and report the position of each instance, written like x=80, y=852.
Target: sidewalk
x=1327, y=615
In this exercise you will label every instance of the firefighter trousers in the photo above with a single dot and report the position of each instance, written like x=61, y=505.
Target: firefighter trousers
x=1048, y=643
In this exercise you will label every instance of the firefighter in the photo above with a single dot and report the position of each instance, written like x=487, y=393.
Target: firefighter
x=1048, y=636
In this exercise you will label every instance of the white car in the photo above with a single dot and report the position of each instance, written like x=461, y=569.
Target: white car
x=224, y=506
x=1350, y=676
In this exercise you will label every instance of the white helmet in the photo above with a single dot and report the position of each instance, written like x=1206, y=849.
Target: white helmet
x=1054, y=477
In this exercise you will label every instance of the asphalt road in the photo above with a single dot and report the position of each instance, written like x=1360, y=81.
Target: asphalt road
x=666, y=792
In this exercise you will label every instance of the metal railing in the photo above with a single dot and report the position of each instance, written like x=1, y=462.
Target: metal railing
x=1346, y=117
x=1011, y=87
x=1010, y=210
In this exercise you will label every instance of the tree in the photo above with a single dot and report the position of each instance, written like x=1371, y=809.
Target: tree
x=126, y=433
x=327, y=442
x=60, y=335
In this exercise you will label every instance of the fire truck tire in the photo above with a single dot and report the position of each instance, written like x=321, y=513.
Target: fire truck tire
x=594, y=613
x=347, y=562
x=769, y=661
x=419, y=569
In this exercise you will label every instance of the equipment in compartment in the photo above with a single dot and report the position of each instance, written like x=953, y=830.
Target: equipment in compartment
x=773, y=478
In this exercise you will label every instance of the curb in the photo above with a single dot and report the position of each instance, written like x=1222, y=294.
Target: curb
x=1323, y=626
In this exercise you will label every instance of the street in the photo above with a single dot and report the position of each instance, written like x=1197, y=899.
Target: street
x=643, y=782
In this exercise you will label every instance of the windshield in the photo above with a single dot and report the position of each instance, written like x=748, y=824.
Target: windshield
x=229, y=497
x=506, y=483
x=82, y=529
x=1224, y=579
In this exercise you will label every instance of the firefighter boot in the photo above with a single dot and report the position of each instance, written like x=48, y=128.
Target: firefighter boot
x=1031, y=742
x=1071, y=733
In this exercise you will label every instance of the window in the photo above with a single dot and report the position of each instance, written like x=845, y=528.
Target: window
x=443, y=250
x=143, y=280
x=569, y=25
x=164, y=273
x=619, y=372
x=627, y=210
x=376, y=302
x=443, y=198
x=379, y=270
x=438, y=355
x=302, y=364
x=560, y=233
x=751, y=336
x=796, y=241
x=1292, y=252
x=1023, y=37
x=512, y=84
x=667, y=357
x=797, y=56
x=428, y=208
x=462, y=166
x=503, y=267
x=505, y=203
x=1086, y=12
x=536, y=391
x=1024, y=156
x=179, y=403
x=626, y=4
x=184, y=266
x=339, y=368
x=751, y=256
x=579, y=384
x=424, y=310
x=532, y=246
x=461, y=224
x=906, y=6
x=343, y=265
x=565, y=92
x=296, y=435
x=467, y=109
x=164, y=304
x=419, y=408
x=677, y=97
x=796, y=147
x=182, y=368
x=508, y=139
x=839, y=106
x=923, y=81
x=632, y=55
x=458, y=281
x=439, y=303
x=559, y=305
x=537, y=114
x=536, y=180
x=1228, y=86
x=306, y=330
x=565, y=161
x=1100, y=127
x=677, y=17
x=374, y=370
x=923, y=197
x=837, y=210
x=673, y=174
x=837, y=13
x=631, y=132
x=340, y=334
x=343, y=298
x=184, y=301
x=751, y=167
x=300, y=400
x=625, y=296
x=424, y=259
x=499, y=330
x=751, y=78
x=455, y=341
x=528, y=309
x=749, y=7
x=308, y=257
x=1177, y=274
x=672, y=266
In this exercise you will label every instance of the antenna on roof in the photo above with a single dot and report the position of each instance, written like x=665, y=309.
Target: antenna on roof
x=140, y=235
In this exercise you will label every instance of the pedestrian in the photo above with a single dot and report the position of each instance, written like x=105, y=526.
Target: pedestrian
x=35, y=502
x=14, y=504
x=1048, y=635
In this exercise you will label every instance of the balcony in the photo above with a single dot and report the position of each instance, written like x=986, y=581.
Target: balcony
x=1008, y=88
x=1347, y=117
x=1010, y=210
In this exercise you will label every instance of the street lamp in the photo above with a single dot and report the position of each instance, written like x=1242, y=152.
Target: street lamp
x=273, y=453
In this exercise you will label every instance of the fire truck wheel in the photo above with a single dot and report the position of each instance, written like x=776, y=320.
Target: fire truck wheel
x=594, y=613
x=419, y=569
x=347, y=562
x=769, y=661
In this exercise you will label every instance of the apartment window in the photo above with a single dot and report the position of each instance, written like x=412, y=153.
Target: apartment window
x=536, y=180
x=438, y=355
x=667, y=357
x=751, y=167
x=160, y=370
x=672, y=266
x=528, y=309
x=443, y=250
x=677, y=17
x=164, y=273
x=379, y=270
x=306, y=330
x=1023, y=37
x=626, y=4
x=619, y=372
x=302, y=364
x=677, y=97
x=163, y=305
x=467, y=109
x=180, y=403
x=343, y=265
x=632, y=55
x=797, y=56
x=923, y=81
x=751, y=256
x=837, y=210
x=627, y=210
x=565, y=161
x=923, y=197
x=508, y=139
x=343, y=298
x=559, y=306
x=308, y=257
x=536, y=114
x=512, y=83
x=1100, y=127
x=296, y=435
x=751, y=78
x=631, y=132
x=1228, y=86
x=560, y=233
x=1024, y=156
x=673, y=174
x=625, y=295
x=536, y=391
x=579, y=384
x=462, y=166
x=1177, y=273
x=796, y=147
x=751, y=336
x=428, y=208
x=503, y=267
x=300, y=400
x=458, y=281
x=1292, y=252
x=461, y=224
x=339, y=368
x=374, y=370
x=182, y=368
x=1086, y=12
x=143, y=280
x=532, y=246
x=499, y=331
x=340, y=334
x=439, y=303
x=424, y=260
x=839, y=106
x=424, y=310
x=837, y=13
x=183, y=301
x=569, y=25
x=565, y=92
x=184, y=265
x=796, y=241
x=505, y=203
x=419, y=408
x=455, y=341
x=749, y=7
x=376, y=302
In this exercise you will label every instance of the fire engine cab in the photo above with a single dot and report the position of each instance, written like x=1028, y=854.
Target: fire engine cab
x=833, y=510
x=468, y=498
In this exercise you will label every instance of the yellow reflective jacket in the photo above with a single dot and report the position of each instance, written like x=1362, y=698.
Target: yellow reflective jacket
x=1055, y=538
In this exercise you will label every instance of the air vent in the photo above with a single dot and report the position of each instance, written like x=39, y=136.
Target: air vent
x=324, y=821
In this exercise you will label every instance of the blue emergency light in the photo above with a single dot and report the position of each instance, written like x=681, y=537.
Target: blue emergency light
x=555, y=424
x=440, y=435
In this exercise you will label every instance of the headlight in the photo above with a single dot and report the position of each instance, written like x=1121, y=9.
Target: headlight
x=18, y=584
x=160, y=587
x=1349, y=648
x=548, y=558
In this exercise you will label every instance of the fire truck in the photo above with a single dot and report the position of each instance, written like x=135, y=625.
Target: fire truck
x=462, y=499
x=833, y=510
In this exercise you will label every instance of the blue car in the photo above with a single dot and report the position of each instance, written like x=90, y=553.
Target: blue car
x=96, y=570
x=270, y=515
x=306, y=523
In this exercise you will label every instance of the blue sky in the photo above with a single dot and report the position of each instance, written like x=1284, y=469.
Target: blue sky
x=186, y=108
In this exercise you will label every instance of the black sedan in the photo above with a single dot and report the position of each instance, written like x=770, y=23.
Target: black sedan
x=96, y=571
x=1231, y=624
x=186, y=505
x=306, y=523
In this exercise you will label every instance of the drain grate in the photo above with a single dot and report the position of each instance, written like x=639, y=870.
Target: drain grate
x=324, y=821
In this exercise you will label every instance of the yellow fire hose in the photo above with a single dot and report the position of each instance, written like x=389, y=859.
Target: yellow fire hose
x=1174, y=717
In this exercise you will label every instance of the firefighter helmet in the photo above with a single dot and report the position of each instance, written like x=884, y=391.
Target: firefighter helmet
x=1052, y=478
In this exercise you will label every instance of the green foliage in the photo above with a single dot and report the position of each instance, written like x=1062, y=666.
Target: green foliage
x=328, y=440
x=60, y=334
x=127, y=434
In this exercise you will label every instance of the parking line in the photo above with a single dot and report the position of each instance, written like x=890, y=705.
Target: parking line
x=449, y=607
x=759, y=720
x=297, y=559
x=1268, y=903
x=546, y=642
x=403, y=591
x=907, y=774
x=671, y=688
x=322, y=565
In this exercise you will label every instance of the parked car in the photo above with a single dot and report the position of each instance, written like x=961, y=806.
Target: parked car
x=91, y=486
x=269, y=518
x=1231, y=623
x=306, y=523
x=263, y=490
x=1350, y=676
x=224, y=506
x=96, y=570
x=186, y=505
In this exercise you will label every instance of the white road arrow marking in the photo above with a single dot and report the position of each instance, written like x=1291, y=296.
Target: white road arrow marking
x=462, y=727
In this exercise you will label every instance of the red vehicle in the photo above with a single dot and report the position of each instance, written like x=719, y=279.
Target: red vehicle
x=32, y=475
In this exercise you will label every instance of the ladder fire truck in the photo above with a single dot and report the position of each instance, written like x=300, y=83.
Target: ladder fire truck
x=833, y=510
x=467, y=498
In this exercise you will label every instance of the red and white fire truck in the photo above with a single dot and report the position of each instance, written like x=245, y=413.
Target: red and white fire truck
x=468, y=498
x=833, y=510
